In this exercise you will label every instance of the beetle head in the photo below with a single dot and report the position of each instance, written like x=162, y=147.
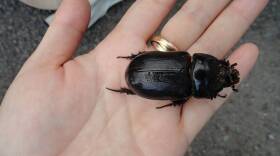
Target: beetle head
x=228, y=75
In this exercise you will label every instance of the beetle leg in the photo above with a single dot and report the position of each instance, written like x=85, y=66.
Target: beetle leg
x=234, y=89
x=171, y=104
x=132, y=56
x=122, y=90
x=127, y=57
x=174, y=103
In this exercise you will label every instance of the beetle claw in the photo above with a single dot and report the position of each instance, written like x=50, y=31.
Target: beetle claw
x=122, y=90
x=132, y=56
x=171, y=104
x=174, y=103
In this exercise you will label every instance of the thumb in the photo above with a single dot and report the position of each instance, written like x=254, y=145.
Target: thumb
x=63, y=36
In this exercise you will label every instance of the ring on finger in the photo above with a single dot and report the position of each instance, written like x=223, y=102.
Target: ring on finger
x=161, y=44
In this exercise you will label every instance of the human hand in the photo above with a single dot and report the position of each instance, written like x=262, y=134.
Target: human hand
x=59, y=106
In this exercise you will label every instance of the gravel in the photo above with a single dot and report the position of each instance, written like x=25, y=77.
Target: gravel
x=248, y=124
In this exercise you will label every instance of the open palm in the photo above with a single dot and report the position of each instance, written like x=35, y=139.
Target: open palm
x=59, y=106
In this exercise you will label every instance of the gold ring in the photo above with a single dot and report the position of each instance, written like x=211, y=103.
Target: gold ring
x=161, y=44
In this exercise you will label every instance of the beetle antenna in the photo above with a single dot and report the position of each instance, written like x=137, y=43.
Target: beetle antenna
x=233, y=65
x=171, y=104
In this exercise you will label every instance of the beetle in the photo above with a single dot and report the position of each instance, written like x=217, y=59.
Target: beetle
x=177, y=76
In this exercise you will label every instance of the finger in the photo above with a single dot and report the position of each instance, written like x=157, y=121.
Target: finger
x=145, y=16
x=227, y=29
x=198, y=111
x=191, y=21
x=138, y=24
x=64, y=34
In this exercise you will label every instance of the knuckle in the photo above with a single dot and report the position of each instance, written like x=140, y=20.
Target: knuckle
x=204, y=46
x=195, y=14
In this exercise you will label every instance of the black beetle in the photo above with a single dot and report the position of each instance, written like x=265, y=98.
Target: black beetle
x=177, y=76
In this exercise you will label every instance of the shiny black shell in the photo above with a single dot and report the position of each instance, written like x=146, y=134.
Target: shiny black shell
x=161, y=76
x=205, y=75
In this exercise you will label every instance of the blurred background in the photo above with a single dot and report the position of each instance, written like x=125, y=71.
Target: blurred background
x=247, y=125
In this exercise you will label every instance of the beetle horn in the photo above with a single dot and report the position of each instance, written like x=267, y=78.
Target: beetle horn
x=234, y=76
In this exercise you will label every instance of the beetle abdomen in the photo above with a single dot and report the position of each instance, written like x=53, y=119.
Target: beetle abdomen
x=160, y=76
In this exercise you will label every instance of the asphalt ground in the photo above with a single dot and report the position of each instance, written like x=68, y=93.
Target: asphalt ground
x=247, y=125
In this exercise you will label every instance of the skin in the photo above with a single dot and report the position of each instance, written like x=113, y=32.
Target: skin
x=58, y=105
